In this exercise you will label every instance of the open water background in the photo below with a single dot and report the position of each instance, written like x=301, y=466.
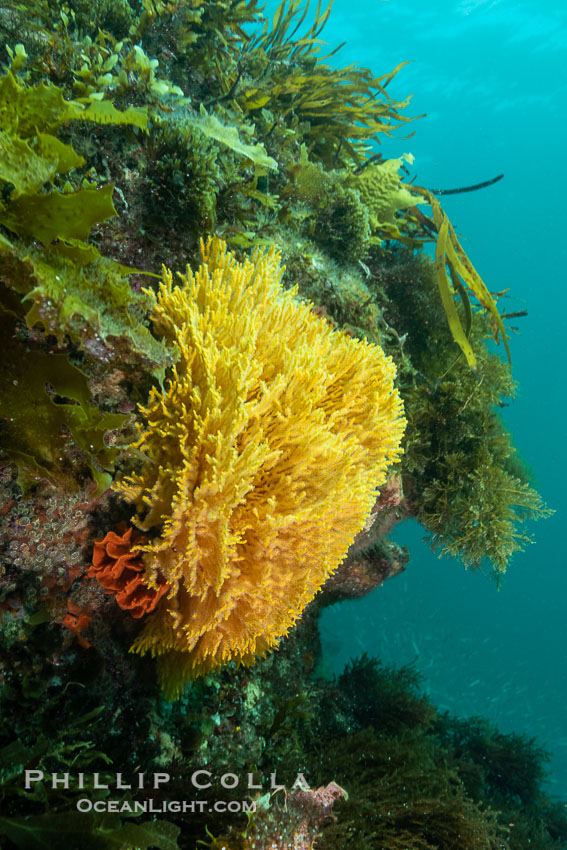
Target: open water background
x=490, y=74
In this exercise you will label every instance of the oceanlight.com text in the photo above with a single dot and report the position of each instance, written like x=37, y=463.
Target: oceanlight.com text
x=140, y=807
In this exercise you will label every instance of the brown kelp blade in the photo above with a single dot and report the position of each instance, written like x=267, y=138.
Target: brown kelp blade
x=447, y=299
x=449, y=252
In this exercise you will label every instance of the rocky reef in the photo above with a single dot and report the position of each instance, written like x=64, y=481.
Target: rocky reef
x=230, y=367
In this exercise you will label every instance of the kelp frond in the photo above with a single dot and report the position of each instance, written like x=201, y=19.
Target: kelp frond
x=279, y=36
x=450, y=254
x=340, y=110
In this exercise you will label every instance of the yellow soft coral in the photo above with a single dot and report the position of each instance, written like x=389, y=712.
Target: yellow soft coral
x=263, y=457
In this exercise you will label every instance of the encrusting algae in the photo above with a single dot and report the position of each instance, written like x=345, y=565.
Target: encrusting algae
x=264, y=453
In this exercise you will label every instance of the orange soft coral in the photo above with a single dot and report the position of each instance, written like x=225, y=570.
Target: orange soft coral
x=118, y=567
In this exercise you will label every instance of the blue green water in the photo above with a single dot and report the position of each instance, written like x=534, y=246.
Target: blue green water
x=491, y=77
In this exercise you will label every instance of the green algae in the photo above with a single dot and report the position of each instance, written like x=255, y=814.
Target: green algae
x=33, y=157
x=56, y=818
x=75, y=292
x=57, y=215
x=89, y=298
x=45, y=400
x=461, y=476
x=210, y=126
x=104, y=112
x=41, y=164
x=334, y=214
x=384, y=194
x=88, y=830
x=27, y=110
x=69, y=282
x=184, y=176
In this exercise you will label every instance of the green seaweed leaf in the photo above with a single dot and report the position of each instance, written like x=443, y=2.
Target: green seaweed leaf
x=75, y=291
x=56, y=215
x=50, y=147
x=22, y=167
x=104, y=112
x=89, y=831
x=212, y=127
x=27, y=110
x=156, y=833
x=34, y=424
